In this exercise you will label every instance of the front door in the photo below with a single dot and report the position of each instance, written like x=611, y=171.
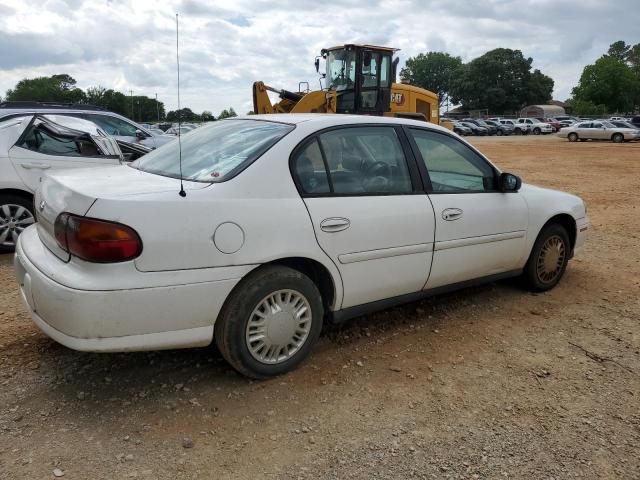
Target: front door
x=479, y=230
x=598, y=132
x=368, y=216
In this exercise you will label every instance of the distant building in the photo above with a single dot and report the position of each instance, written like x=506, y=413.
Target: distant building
x=542, y=111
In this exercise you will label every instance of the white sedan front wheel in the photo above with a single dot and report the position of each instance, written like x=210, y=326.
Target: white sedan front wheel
x=548, y=260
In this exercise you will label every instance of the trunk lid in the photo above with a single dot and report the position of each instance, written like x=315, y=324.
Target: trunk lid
x=74, y=191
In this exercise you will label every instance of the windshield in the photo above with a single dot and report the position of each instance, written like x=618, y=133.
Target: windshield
x=341, y=69
x=212, y=152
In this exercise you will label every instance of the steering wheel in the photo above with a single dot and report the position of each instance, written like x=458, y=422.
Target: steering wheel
x=375, y=169
x=378, y=177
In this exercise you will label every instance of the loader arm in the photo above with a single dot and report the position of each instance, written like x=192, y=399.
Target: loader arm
x=291, y=102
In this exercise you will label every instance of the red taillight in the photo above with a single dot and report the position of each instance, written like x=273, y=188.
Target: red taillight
x=96, y=240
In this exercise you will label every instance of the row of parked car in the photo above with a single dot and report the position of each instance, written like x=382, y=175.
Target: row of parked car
x=542, y=126
x=169, y=128
x=502, y=126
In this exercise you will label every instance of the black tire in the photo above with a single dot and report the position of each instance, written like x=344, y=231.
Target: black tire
x=573, y=137
x=536, y=131
x=231, y=325
x=499, y=133
x=617, y=138
x=12, y=199
x=533, y=278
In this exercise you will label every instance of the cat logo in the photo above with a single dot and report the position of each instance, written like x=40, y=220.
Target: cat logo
x=397, y=98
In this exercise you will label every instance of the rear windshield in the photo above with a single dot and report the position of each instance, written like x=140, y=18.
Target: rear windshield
x=215, y=151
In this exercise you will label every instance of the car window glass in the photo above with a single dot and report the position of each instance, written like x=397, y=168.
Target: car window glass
x=366, y=160
x=113, y=125
x=42, y=141
x=584, y=125
x=384, y=68
x=216, y=151
x=452, y=166
x=309, y=169
x=596, y=125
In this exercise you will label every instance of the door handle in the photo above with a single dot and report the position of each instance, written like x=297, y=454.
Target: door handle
x=450, y=214
x=39, y=166
x=334, y=224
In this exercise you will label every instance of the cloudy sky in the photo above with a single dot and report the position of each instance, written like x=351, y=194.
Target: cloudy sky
x=228, y=44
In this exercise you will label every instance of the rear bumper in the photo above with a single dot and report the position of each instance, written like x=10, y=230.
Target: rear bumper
x=143, y=318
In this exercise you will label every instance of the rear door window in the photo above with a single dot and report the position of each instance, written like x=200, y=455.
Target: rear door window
x=43, y=141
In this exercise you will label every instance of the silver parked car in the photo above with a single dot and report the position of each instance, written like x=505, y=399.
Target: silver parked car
x=598, y=130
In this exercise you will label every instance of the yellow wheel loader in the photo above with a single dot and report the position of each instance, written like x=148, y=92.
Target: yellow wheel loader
x=359, y=79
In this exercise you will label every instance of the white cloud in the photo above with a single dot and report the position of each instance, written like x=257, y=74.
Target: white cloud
x=228, y=44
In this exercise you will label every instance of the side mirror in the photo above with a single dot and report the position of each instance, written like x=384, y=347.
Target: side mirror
x=317, y=63
x=140, y=134
x=508, y=182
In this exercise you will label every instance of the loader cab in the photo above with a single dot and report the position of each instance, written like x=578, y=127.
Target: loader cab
x=361, y=76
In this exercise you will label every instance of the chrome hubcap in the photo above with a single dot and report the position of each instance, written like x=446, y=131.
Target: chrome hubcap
x=13, y=220
x=551, y=259
x=279, y=326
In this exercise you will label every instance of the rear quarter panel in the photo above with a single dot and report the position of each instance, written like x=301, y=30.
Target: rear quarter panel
x=178, y=233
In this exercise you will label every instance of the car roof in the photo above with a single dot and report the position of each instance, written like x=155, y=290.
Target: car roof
x=55, y=111
x=324, y=120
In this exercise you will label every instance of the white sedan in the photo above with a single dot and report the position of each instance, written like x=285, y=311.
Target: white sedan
x=599, y=130
x=285, y=221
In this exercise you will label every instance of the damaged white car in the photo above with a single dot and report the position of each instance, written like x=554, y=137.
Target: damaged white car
x=34, y=144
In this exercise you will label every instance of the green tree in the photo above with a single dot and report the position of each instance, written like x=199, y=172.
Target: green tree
x=227, y=113
x=185, y=115
x=618, y=50
x=207, y=116
x=609, y=82
x=633, y=59
x=539, y=88
x=433, y=71
x=56, y=88
x=145, y=109
x=587, y=108
x=108, y=99
x=500, y=81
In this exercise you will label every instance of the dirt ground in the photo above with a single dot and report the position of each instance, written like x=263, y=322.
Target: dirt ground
x=490, y=382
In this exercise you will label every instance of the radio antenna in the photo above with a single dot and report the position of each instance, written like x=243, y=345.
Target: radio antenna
x=182, y=193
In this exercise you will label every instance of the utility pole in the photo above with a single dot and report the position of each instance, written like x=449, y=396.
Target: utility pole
x=131, y=95
x=158, y=107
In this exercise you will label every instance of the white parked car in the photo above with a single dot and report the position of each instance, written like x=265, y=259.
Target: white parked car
x=286, y=221
x=31, y=145
x=536, y=126
x=599, y=130
x=518, y=128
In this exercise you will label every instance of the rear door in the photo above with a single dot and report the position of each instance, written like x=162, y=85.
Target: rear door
x=367, y=210
x=479, y=230
x=40, y=151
